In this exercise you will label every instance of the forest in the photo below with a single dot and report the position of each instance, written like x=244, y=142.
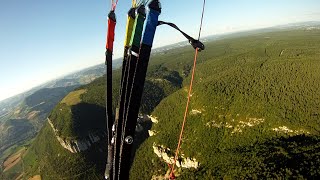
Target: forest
x=254, y=111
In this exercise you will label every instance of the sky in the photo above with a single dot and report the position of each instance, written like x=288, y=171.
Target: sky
x=41, y=40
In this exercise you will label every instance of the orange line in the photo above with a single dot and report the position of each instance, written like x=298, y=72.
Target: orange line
x=185, y=114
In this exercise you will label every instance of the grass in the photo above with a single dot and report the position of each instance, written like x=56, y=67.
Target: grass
x=73, y=98
x=8, y=152
x=36, y=177
x=18, y=166
x=13, y=159
x=52, y=161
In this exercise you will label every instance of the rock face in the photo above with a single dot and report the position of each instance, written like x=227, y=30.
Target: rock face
x=153, y=119
x=195, y=112
x=285, y=129
x=185, y=162
x=78, y=145
x=152, y=133
x=162, y=152
x=238, y=126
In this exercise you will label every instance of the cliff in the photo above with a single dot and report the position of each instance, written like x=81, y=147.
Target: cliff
x=78, y=145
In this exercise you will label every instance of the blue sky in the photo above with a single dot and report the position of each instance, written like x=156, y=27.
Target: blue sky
x=44, y=39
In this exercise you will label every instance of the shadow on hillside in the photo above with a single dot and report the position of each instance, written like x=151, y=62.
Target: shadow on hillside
x=91, y=118
x=298, y=153
x=96, y=157
x=140, y=137
x=88, y=118
x=294, y=156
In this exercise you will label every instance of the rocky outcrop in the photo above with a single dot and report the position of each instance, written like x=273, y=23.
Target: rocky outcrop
x=153, y=119
x=237, y=125
x=285, y=129
x=184, y=162
x=152, y=133
x=78, y=145
x=195, y=112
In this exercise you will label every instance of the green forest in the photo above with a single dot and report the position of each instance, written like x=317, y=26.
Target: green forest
x=256, y=104
x=254, y=113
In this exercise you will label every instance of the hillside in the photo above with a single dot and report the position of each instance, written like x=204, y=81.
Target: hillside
x=32, y=107
x=28, y=118
x=82, y=77
x=75, y=132
x=14, y=132
x=254, y=112
x=71, y=122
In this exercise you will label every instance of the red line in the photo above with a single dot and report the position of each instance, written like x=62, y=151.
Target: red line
x=185, y=115
x=114, y=5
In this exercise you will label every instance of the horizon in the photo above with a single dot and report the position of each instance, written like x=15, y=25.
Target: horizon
x=86, y=48
x=120, y=58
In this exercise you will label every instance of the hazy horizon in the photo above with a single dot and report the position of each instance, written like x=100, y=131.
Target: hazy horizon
x=40, y=45
x=119, y=58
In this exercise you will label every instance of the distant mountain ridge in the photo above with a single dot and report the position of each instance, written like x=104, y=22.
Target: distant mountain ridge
x=33, y=106
x=28, y=118
x=80, y=77
x=306, y=25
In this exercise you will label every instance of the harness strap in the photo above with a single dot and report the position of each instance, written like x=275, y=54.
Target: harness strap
x=196, y=44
